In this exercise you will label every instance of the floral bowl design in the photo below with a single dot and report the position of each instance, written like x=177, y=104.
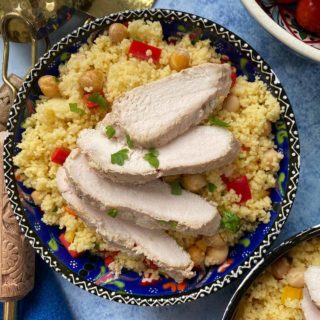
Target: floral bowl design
x=89, y=272
x=281, y=23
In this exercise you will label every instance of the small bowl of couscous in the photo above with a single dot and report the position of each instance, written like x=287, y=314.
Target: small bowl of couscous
x=246, y=196
x=284, y=284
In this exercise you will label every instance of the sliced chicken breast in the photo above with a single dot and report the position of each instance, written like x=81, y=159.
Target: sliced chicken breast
x=200, y=149
x=312, y=281
x=155, y=245
x=310, y=311
x=150, y=205
x=158, y=112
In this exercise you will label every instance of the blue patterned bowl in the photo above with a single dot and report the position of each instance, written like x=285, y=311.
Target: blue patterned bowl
x=88, y=272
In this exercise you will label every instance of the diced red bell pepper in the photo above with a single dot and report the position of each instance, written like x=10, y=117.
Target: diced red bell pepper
x=240, y=185
x=110, y=258
x=140, y=51
x=59, y=155
x=89, y=104
x=233, y=78
x=66, y=244
x=150, y=264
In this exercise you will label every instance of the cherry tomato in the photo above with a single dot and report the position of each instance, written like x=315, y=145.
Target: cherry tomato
x=286, y=1
x=308, y=15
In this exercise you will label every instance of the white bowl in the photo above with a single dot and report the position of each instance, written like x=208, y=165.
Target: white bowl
x=280, y=33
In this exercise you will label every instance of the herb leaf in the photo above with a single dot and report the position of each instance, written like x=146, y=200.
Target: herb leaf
x=213, y=121
x=74, y=108
x=129, y=142
x=171, y=223
x=120, y=157
x=112, y=212
x=99, y=99
x=176, y=188
x=211, y=187
x=230, y=221
x=152, y=157
x=110, y=131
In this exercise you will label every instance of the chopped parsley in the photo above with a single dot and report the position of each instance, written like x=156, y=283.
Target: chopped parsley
x=211, y=187
x=171, y=223
x=110, y=131
x=152, y=157
x=176, y=188
x=129, y=142
x=112, y=212
x=98, y=99
x=120, y=157
x=74, y=108
x=230, y=221
x=213, y=121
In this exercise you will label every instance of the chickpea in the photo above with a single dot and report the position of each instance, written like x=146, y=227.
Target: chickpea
x=49, y=86
x=267, y=129
x=118, y=32
x=37, y=197
x=231, y=103
x=201, y=244
x=280, y=268
x=270, y=156
x=193, y=182
x=295, y=277
x=197, y=256
x=179, y=60
x=216, y=255
x=215, y=241
x=170, y=179
x=92, y=79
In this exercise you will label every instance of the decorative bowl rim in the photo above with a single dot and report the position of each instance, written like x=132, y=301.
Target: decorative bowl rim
x=272, y=256
x=278, y=32
x=294, y=159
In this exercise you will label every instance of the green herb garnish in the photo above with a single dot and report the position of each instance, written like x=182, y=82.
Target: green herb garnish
x=176, y=188
x=110, y=131
x=211, y=187
x=98, y=99
x=120, y=157
x=152, y=157
x=213, y=121
x=171, y=223
x=230, y=221
x=74, y=108
x=129, y=142
x=112, y=213
x=65, y=56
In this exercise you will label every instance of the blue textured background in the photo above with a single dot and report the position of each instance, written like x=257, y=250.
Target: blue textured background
x=300, y=78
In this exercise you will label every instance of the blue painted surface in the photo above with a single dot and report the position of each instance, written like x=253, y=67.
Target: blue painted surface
x=301, y=80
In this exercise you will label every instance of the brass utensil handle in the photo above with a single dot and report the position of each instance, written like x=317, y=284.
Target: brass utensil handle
x=6, y=45
x=10, y=310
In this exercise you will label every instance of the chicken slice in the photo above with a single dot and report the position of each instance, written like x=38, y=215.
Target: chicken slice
x=150, y=205
x=310, y=310
x=312, y=281
x=155, y=245
x=200, y=149
x=158, y=112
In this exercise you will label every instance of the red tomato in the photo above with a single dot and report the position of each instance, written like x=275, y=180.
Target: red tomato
x=59, y=155
x=308, y=15
x=286, y=1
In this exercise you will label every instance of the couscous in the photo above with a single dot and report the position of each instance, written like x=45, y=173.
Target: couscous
x=278, y=292
x=62, y=112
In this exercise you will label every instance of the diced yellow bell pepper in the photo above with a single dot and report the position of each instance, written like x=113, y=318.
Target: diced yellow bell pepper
x=291, y=293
